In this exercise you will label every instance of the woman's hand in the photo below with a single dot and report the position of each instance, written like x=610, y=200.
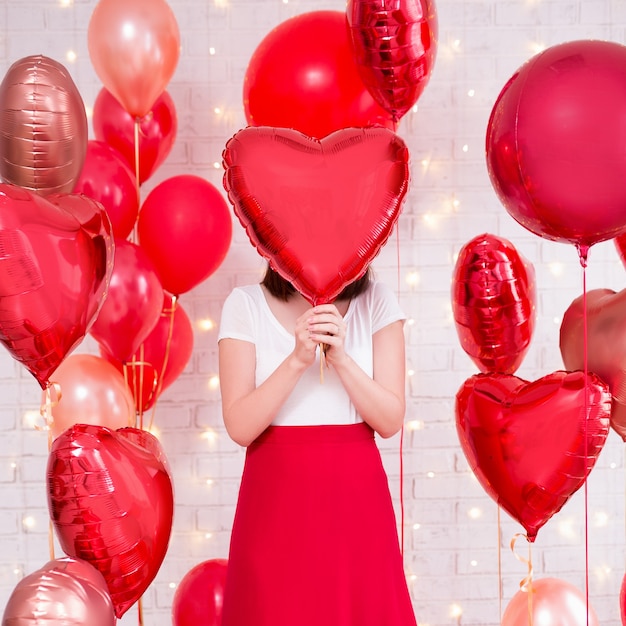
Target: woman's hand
x=327, y=329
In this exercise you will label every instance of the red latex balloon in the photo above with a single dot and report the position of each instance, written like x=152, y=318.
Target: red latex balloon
x=200, y=595
x=185, y=228
x=605, y=313
x=318, y=210
x=133, y=304
x=303, y=75
x=43, y=127
x=394, y=45
x=106, y=178
x=161, y=358
x=530, y=444
x=156, y=131
x=64, y=592
x=554, y=143
x=111, y=501
x=493, y=303
x=54, y=272
x=555, y=602
x=134, y=46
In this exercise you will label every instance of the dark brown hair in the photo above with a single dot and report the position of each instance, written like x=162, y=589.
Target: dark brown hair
x=283, y=289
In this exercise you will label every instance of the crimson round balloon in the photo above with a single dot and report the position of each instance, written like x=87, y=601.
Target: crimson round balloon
x=63, y=592
x=133, y=304
x=554, y=147
x=111, y=501
x=493, y=303
x=156, y=131
x=43, y=127
x=106, y=178
x=185, y=228
x=394, y=45
x=530, y=444
x=161, y=358
x=303, y=76
x=55, y=269
x=199, y=596
x=318, y=210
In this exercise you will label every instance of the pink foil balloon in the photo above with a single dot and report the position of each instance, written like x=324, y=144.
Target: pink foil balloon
x=134, y=46
x=555, y=150
x=554, y=602
x=111, y=500
x=318, y=210
x=394, y=44
x=493, y=302
x=43, y=127
x=64, y=592
x=530, y=444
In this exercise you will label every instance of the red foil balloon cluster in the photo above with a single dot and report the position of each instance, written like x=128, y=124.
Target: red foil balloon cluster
x=331, y=205
x=493, y=302
x=530, y=444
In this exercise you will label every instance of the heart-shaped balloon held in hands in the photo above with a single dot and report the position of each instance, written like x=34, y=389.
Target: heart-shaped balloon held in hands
x=530, y=444
x=317, y=210
x=55, y=265
x=111, y=500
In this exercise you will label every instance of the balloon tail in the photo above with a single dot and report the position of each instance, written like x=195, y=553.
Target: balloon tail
x=526, y=584
x=583, y=253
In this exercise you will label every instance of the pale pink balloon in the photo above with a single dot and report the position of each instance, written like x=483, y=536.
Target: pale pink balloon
x=134, y=46
x=91, y=391
x=64, y=592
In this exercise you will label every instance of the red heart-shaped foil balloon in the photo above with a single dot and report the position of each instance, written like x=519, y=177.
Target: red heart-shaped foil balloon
x=317, y=210
x=111, y=500
x=531, y=445
x=56, y=259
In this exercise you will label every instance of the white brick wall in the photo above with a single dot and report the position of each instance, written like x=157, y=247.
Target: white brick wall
x=453, y=559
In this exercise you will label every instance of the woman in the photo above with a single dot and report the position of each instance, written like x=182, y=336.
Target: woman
x=314, y=541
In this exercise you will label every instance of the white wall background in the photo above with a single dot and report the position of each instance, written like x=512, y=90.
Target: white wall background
x=453, y=561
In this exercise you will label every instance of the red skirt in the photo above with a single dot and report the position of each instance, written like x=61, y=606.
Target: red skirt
x=314, y=540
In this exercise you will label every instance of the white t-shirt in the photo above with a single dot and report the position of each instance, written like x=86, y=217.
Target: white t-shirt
x=316, y=399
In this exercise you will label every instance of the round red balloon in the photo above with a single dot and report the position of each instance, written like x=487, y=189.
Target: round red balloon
x=555, y=149
x=185, y=228
x=303, y=75
x=200, y=595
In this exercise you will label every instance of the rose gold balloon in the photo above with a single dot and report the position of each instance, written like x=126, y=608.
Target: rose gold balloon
x=92, y=391
x=43, y=127
x=606, y=344
x=64, y=592
x=134, y=47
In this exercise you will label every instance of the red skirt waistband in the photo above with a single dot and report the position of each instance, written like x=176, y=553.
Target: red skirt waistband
x=312, y=435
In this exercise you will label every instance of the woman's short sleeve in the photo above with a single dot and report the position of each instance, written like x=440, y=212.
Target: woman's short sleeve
x=238, y=319
x=385, y=307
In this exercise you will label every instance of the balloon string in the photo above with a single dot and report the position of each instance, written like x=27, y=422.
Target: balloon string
x=135, y=390
x=137, y=183
x=140, y=611
x=499, y=530
x=50, y=397
x=526, y=584
x=401, y=451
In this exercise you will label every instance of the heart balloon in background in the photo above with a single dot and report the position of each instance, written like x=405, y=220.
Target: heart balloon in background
x=493, y=302
x=553, y=601
x=530, y=444
x=64, y=592
x=554, y=144
x=303, y=76
x=394, y=45
x=43, y=127
x=606, y=344
x=199, y=596
x=156, y=131
x=111, y=501
x=317, y=210
x=57, y=259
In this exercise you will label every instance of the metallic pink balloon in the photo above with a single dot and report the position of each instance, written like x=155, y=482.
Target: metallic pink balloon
x=134, y=46
x=64, y=592
x=530, y=444
x=606, y=344
x=555, y=602
x=318, y=210
x=493, y=302
x=56, y=262
x=111, y=501
x=554, y=145
x=43, y=127
x=394, y=43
